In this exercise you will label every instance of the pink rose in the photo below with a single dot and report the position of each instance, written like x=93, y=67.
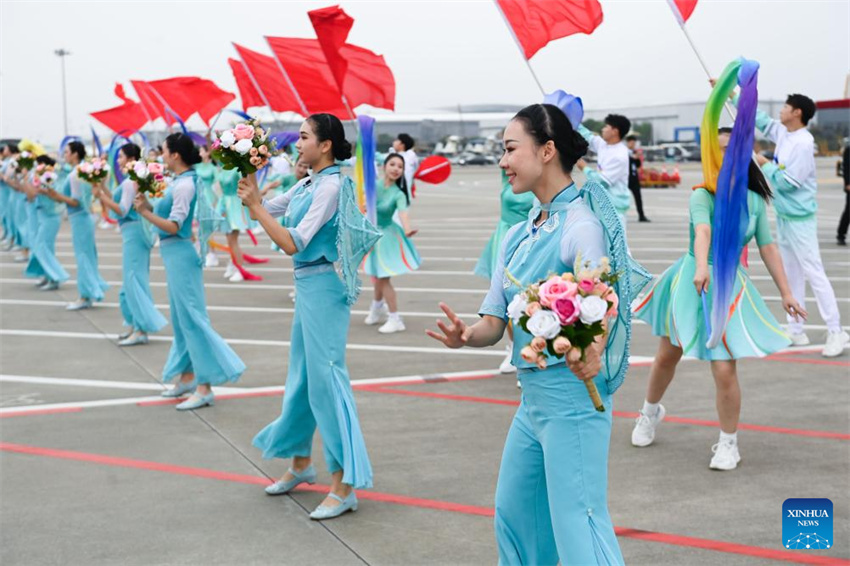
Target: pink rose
x=216, y=144
x=528, y=354
x=585, y=286
x=243, y=132
x=264, y=149
x=567, y=309
x=159, y=177
x=255, y=161
x=612, y=298
x=537, y=344
x=554, y=289
x=532, y=308
x=155, y=168
x=601, y=289
x=253, y=151
x=561, y=345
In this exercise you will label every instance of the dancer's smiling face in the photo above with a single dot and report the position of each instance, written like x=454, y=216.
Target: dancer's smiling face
x=524, y=160
x=394, y=169
x=310, y=149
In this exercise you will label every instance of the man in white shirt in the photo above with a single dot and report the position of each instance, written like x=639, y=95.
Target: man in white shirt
x=612, y=161
x=403, y=145
x=793, y=175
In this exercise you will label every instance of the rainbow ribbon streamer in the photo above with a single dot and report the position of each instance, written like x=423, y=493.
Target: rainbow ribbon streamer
x=364, y=170
x=727, y=176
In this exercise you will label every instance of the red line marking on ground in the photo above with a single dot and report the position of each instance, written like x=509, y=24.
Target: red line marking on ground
x=44, y=412
x=620, y=414
x=663, y=538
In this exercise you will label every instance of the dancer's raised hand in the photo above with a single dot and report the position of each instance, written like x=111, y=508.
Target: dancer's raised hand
x=455, y=334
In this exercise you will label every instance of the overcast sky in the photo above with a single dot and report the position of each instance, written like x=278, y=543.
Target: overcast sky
x=441, y=52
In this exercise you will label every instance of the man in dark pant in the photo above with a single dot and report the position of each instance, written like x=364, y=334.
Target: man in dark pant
x=635, y=163
x=845, y=218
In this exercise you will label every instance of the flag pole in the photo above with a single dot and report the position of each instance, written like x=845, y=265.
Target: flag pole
x=684, y=29
x=516, y=40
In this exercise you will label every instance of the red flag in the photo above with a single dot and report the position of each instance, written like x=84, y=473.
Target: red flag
x=269, y=80
x=537, y=22
x=247, y=91
x=368, y=80
x=128, y=116
x=119, y=92
x=187, y=95
x=151, y=103
x=682, y=9
x=305, y=64
x=332, y=25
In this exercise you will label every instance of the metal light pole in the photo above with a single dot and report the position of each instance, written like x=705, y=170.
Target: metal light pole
x=62, y=53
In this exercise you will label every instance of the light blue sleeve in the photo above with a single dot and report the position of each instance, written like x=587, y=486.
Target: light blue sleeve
x=778, y=178
x=495, y=304
x=594, y=140
x=583, y=236
x=594, y=176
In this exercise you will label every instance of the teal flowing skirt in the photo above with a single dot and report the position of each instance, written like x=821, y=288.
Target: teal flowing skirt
x=394, y=254
x=674, y=310
x=230, y=206
x=196, y=348
x=43, y=262
x=89, y=282
x=135, y=298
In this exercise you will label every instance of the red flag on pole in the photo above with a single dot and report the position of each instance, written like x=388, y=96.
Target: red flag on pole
x=247, y=91
x=682, y=9
x=537, y=22
x=187, y=95
x=332, y=25
x=268, y=81
x=151, y=104
x=368, y=79
x=128, y=116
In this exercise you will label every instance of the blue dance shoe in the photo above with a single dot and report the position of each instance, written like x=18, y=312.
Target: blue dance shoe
x=323, y=512
x=196, y=402
x=307, y=475
x=180, y=389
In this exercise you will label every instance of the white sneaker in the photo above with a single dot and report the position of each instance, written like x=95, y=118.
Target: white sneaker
x=835, y=342
x=292, y=295
x=377, y=315
x=211, y=260
x=394, y=324
x=507, y=366
x=726, y=456
x=236, y=277
x=104, y=225
x=230, y=270
x=644, y=431
x=20, y=258
x=800, y=339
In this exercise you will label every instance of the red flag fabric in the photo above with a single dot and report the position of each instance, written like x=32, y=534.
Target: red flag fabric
x=367, y=81
x=247, y=91
x=682, y=9
x=119, y=92
x=270, y=80
x=537, y=22
x=434, y=169
x=332, y=25
x=187, y=95
x=128, y=116
x=150, y=102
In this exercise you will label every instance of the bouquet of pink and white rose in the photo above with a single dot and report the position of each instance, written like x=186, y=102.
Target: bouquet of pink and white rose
x=44, y=177
x=149, y=177
x=93, y=171
x=245, y=147
x=566, y=311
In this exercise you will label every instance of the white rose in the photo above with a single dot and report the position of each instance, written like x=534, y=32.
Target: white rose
x=243, y=146
x=227, y=139
x=141, y=169
x=517, y=307
x=592, y=309
x=544, y=324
